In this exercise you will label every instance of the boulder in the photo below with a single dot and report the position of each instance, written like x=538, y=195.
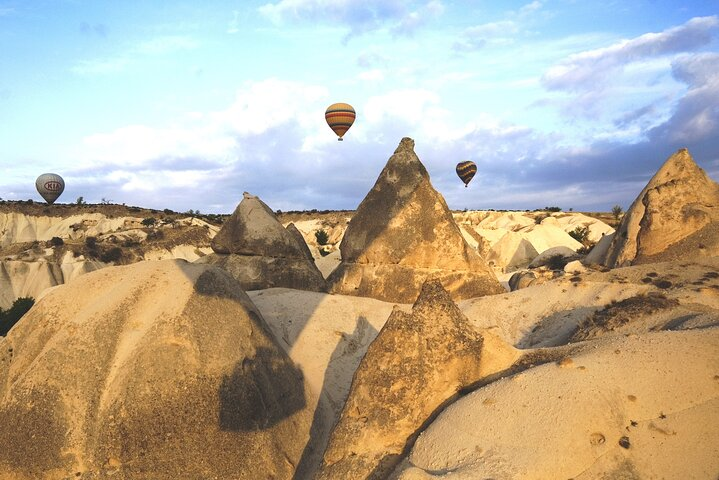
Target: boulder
x=416, y=364
x=260, y=253
x=545, y=257
x=676, y=216
x=598, y=253
x=511, y=252
x=156, y=370
x=401, y=234
x=528, y=278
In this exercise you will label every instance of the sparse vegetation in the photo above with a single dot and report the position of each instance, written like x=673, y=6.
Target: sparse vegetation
x=112, y=255
x=56, y=242
x=149, y=221
x=80, y=201
x=322, y=237
x=580, y=234
x=616, y=211
x=105, y=201
x=8, y=318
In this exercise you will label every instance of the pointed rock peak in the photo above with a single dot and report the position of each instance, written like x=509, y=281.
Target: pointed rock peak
x=406, y=144
x=680, y=165
x=434, y=297
x=253, y=229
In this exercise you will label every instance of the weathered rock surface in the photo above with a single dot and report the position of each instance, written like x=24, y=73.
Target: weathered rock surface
x=259, y=252
x=157, y=370
x=417, y=363
x=545, y=258
x=628, y=407
x=527, y=278
x=19, y=278
x=401, y=234
x=676, y=216
x=512, y=251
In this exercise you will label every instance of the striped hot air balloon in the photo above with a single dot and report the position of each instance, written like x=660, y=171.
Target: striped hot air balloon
x=466, y=171
x=340, y=117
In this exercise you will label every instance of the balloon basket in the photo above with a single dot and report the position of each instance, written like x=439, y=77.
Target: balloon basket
x=339, y=139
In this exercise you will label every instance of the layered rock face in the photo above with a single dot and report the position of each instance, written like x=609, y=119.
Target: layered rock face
x=416, y=363
x=675, y=216
x=401, y=234
x=260, y=253
x=157, y=370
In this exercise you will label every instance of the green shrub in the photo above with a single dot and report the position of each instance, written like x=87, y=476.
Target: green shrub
x=56, y=242
x=8, y=318
x=322, y=237
x=149, y=221
x=580, y=234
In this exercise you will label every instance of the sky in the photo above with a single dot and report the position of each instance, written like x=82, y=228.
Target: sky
x=186, y=105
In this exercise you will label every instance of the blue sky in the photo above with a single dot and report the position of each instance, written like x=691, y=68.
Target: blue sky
x=185, y=106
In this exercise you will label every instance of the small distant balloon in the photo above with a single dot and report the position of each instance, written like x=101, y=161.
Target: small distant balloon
x=50, y=186
x=340, y=117
x=466, y=171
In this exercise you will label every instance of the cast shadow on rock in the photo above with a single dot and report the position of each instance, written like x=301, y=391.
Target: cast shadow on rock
x=260, y=392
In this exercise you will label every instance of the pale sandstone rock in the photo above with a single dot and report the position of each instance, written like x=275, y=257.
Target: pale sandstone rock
x=259, y=252
x=676, y=216
x=511, y=252
x=629, y=407
x=417, y=363
x=157, y=370
x=401, y=234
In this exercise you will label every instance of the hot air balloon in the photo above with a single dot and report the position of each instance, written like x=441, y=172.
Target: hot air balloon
x=50, y=186
x=340, y=117
x=466, y=171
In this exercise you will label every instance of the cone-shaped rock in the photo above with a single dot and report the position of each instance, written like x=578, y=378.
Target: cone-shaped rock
x=156, y=370
x=676, y=216
x=260, y=253
x=401, y=234
x=417, y=363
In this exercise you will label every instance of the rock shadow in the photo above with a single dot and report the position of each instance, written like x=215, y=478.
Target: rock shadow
x=329, y=408
x=260, y=392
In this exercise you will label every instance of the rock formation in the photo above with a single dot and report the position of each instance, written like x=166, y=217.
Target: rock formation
x=259, y=252
x=401, y=234
x=418, y=362
x=511, y=252
x=631, y=407
x=29, y=278
x=676, y=216
x=157, y=370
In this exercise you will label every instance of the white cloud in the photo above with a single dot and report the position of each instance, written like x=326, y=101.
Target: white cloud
x=156, y=46
x=165, y=44
x=587, y=70
x=361, y=16
x=374, y=75
x=485, y=34
x=101, y=66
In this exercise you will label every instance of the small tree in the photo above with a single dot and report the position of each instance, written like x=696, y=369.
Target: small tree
x=80, y=201
x=616, y=211
x=321, y=237
x=580, y=234
x=56, y=242
x=148, y=222
x=105, y=201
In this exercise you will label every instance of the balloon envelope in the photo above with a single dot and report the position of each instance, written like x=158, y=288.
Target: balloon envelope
x=466, y=171
x=340, y=117
x=50, y=186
